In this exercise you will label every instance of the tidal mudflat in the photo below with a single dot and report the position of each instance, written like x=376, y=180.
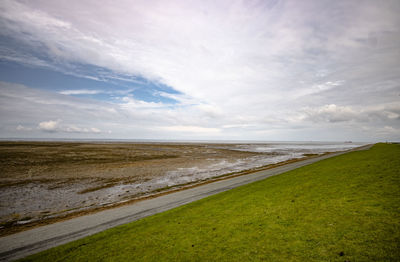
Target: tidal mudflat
x=41, y=180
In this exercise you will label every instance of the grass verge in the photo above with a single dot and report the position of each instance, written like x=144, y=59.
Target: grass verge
x=341, y=209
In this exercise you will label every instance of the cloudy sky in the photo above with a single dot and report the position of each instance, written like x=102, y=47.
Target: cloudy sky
x=226, y=70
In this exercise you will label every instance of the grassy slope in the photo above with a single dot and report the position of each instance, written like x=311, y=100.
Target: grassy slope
x=347, y=204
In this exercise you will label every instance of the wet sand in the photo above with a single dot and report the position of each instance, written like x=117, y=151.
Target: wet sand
x=47, y=180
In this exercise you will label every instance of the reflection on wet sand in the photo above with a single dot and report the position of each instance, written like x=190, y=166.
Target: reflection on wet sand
x=47, y=179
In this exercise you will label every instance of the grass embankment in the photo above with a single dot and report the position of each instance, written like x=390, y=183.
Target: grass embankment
x=343, y=208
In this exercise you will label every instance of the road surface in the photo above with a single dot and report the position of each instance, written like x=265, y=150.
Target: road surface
x=38, y=239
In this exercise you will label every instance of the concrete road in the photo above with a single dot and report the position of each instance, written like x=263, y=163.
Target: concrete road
x=32, y=241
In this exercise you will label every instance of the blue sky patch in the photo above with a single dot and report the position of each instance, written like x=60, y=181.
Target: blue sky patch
x=108, y=87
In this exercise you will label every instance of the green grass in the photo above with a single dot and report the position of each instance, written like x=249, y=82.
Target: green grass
x=341, y=209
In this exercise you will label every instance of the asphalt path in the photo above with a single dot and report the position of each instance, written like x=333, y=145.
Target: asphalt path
x=38, y=239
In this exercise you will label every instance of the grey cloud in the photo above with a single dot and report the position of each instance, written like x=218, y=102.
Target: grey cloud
x=257, y=66
x=389, y=114
x=332, y=113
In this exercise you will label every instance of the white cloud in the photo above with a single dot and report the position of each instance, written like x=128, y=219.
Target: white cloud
x=221, y=50
x=75, y=129
x=253, y=66
x=49, y=126
x=80, y=92
x=129, y=102
x=23, y=128
x=56, y=126
x=8, y=54
x=26, y=107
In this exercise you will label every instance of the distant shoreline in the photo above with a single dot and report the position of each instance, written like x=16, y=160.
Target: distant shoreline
x=111, y=140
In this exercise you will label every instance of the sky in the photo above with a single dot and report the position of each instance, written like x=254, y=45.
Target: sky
x=200, y=70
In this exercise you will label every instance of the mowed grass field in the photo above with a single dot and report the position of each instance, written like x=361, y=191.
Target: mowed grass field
x=345, y=208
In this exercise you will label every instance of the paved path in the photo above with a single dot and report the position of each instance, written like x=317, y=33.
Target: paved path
x=32, y=241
